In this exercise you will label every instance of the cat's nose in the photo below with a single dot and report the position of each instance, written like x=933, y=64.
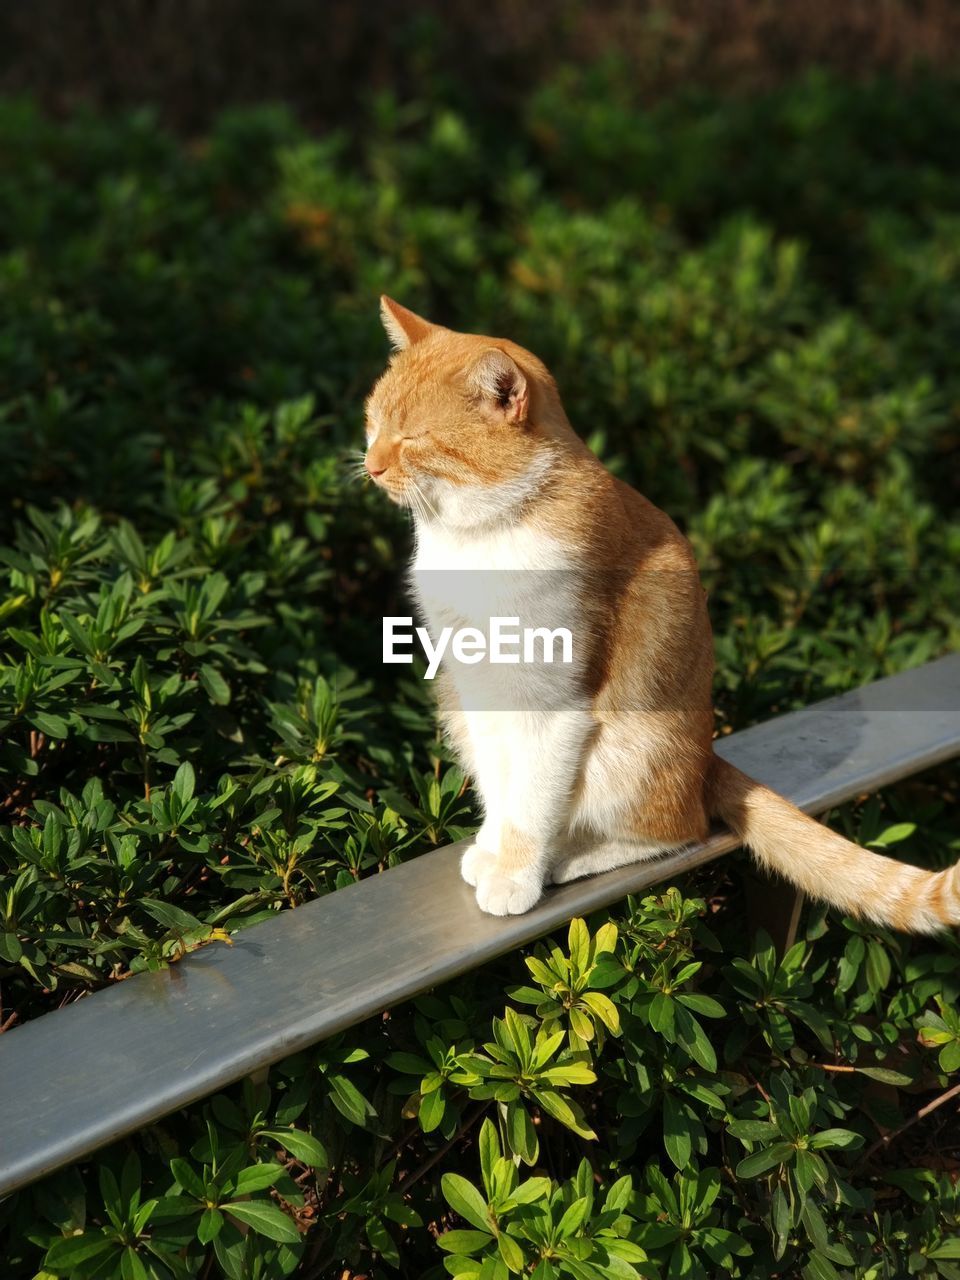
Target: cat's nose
x=373, y=469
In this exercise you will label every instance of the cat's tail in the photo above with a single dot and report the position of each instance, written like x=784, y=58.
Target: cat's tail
x=826, y=866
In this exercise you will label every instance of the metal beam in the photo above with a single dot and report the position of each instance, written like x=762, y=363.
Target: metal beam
x=73, y=1080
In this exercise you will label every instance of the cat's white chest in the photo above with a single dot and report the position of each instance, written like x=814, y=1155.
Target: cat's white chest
x=517, y=547
x=513, y=572
x=525, y=579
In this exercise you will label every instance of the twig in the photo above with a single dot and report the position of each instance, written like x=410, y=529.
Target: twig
x=413, y=1132
x=438, y=1155
x=888, y=1138
x=727, y=1168
x=9, y=1020
x=761, y=1090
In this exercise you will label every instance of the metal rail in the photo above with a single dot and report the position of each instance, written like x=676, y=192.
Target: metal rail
x=73, y=1080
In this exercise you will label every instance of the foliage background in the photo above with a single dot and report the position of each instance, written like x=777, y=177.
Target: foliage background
x=737, y=244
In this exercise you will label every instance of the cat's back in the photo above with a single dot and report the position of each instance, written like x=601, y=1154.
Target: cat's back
x=604, y=523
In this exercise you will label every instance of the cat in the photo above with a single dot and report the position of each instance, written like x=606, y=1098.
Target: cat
x=609, y=759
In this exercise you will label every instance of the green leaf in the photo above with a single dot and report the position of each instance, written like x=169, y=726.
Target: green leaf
x=302, y=1146
x=574, y=1217
x=110, y=1194
x=812, y=1219
x=704, y=1005
x=510, y=1252
x=131, y=1266
x=569, y=1073
x=619, y=1193
x=171, y=917
x=753, y=1130
x=781, y=1220
x=348, y=1100
x=409, y=1064
x=464, y=1198
x=605, y=940
x=820, y=1268
x=130, y=1177
x=67, y=1254
x=676, y=1132
x=184, y=782
x=545, y=1270
x=885, y=1075
x=602, y=1007
x=490, y=1153
x=531, y=1190
x=230, y=1249
x=568, y=1113
x=878, y=968
x=580, y=1024
x=432, y=1107
x=520, y=1133
x=578, y=944
x=266, y=1219
x=466, y=1242
x=893, y=835
x=53, y=726
x=10, y=948
x=608, y=972
x=382, y=1241
x=542, y=973
x=176, y=1209
x=210, y=1225
x=752, y=1166
x=188, y=1178
x=216, y=687
x=809, y=1169
x=661, y=1014
x=834, y=1138
x=256, y=1177
x=692, y=1037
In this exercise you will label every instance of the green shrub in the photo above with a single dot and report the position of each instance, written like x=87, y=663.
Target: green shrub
x=750, y=307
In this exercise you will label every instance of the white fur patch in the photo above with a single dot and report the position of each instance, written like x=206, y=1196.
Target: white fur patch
x=469, y=509
x=527, y=724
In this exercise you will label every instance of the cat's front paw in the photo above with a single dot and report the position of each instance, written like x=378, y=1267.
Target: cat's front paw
x=501, y=895
x=474, y=862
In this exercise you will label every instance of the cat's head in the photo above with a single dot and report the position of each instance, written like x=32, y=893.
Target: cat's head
x=461, y=428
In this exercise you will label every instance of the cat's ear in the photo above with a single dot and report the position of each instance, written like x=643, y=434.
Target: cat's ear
x=403, y=327
x=501, y=383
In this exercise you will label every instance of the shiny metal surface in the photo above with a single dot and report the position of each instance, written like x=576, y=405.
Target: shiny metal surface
x=73, y=1080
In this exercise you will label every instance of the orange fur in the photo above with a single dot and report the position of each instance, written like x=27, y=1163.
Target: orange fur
x=470, y=432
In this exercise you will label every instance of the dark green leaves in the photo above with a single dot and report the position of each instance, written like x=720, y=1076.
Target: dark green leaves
x=197, y=731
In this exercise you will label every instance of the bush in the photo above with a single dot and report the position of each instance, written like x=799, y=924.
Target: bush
x=750, y=307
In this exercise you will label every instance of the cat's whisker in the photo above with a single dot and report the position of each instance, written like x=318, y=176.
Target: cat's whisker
x=355, y=467
x=416, y=502
x=427, y=505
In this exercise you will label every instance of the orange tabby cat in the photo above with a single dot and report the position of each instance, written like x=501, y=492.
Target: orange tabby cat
x=610, y=759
